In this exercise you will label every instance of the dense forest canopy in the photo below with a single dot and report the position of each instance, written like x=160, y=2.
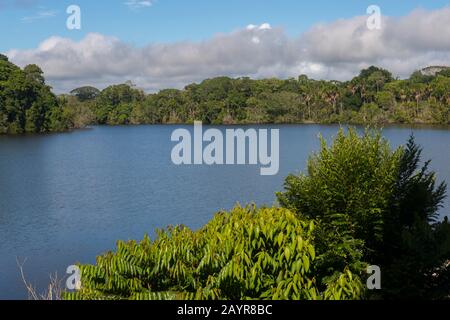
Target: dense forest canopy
x=26, y=102
x=373, y=97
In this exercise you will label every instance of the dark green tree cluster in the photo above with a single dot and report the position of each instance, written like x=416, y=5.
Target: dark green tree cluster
x=85, y=93
x=372, y=97
x=27, y=104
x=387, y=203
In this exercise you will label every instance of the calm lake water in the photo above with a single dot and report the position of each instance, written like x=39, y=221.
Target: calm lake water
x=66, y=198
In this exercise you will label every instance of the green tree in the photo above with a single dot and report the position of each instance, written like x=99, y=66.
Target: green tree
x=85, y=93
x=34, y=73
x=347, y=187
x=385, y=201
x=27, y=103
x=415, y=245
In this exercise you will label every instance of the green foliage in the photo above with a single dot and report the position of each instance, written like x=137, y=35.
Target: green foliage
x=385, y=205
x=361, y=203
x=114, y=104
x=85, y=93
x=373, y=97
x=348, y=185
x=416, y=246
x=27, y=104
x=245, y=254
x=73, y=113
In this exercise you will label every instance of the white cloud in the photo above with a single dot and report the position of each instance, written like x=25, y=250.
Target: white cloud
x=265, y=26
x=338, y=50
x=138, y=4
x=42, y=14
x=251, y=27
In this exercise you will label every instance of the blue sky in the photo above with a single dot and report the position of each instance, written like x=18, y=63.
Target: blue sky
x=171, y=43
x=31, y=21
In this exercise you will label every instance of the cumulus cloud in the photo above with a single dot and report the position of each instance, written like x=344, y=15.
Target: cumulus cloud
x=336, y=50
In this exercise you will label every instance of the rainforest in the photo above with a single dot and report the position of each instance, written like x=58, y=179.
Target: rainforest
x=374, y=97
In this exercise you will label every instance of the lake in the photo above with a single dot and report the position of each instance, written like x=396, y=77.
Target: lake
x=65, y=198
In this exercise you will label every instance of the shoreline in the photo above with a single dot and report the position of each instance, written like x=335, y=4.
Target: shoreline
x=367, y=125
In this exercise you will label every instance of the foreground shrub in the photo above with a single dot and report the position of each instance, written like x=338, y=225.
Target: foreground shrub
x=348, y=185
x=369, y=198
x=245, y=254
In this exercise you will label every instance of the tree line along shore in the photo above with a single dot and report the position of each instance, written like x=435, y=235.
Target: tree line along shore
x=28, y=105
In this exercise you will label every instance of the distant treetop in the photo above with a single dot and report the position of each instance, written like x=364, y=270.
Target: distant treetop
x=85, y=93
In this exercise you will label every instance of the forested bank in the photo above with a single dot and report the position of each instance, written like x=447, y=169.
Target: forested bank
x=27, y=104
x=374, y=97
